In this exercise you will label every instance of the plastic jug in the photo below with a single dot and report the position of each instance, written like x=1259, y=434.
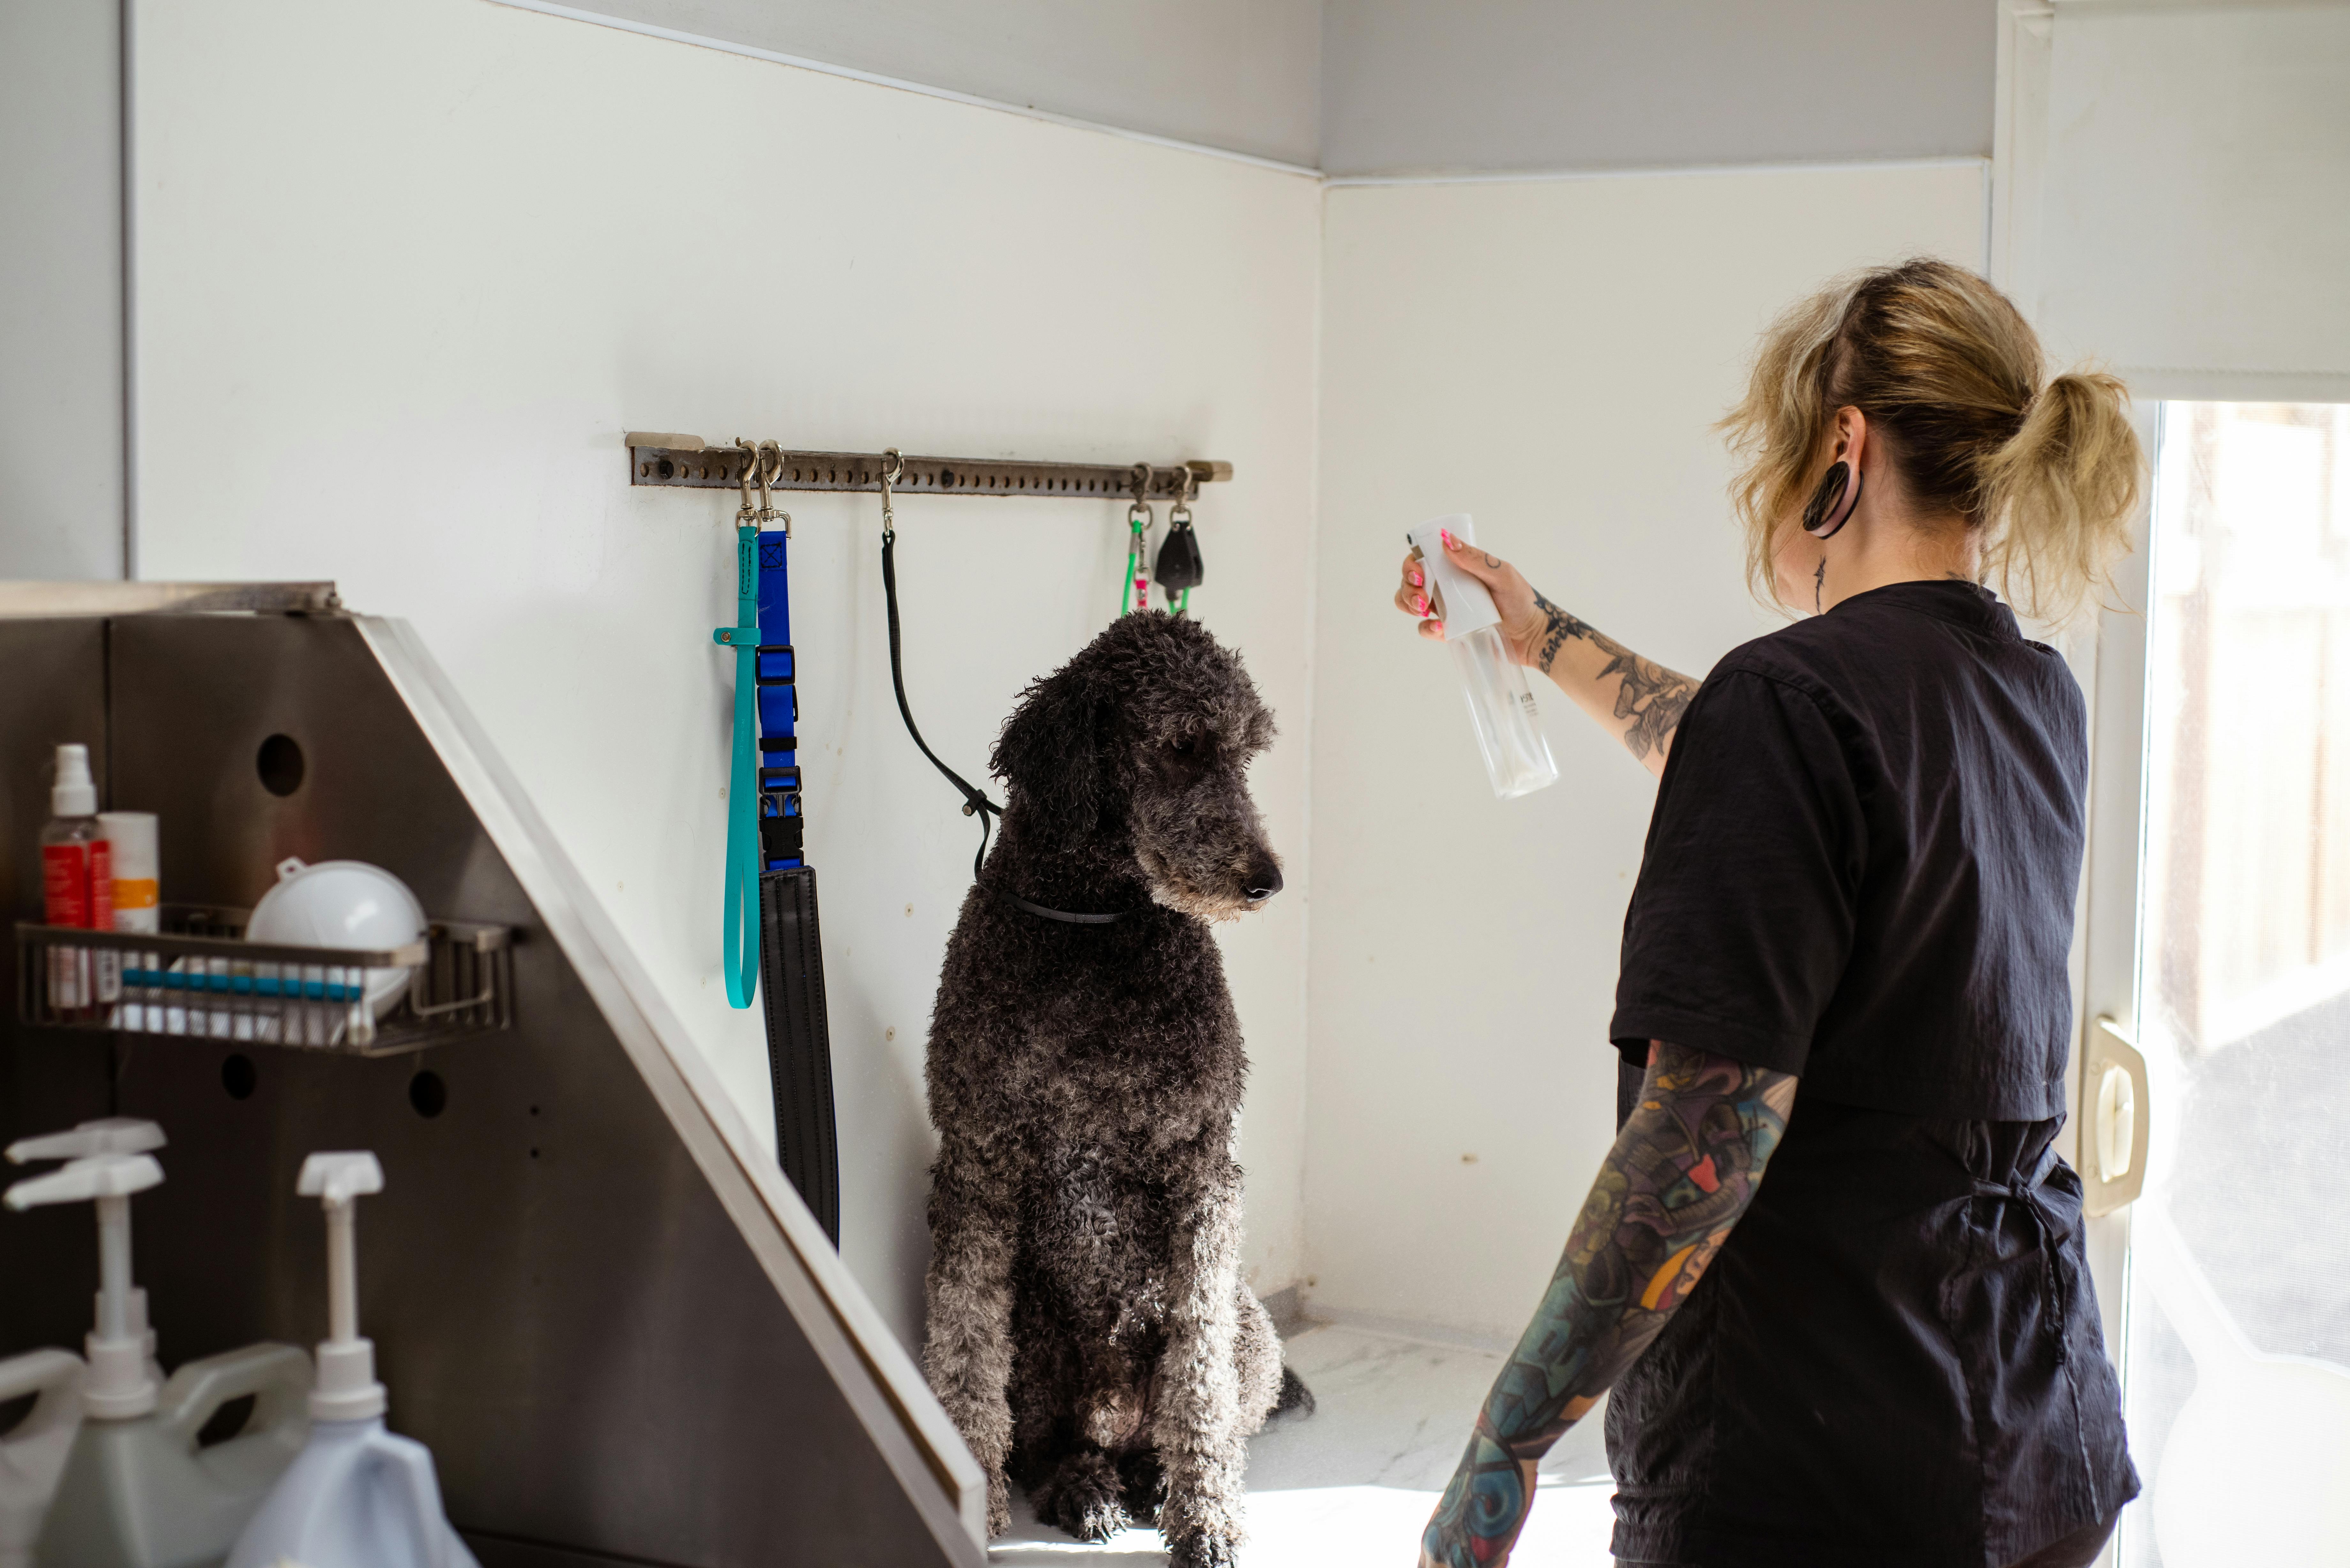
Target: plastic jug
x=138, y=1489
x=33, y=1455
x=358, y=1497
x=145, y=1493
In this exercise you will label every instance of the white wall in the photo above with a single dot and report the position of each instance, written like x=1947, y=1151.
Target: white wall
x=60, y=290
x=1547, y=356
x=1486, y=85
x=410, y=271
x=2195, y=223
x=1242, y=75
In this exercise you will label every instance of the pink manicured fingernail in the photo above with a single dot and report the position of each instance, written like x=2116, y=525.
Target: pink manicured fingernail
x=1417, y=579
x=1446, y=533
x=1420, y=604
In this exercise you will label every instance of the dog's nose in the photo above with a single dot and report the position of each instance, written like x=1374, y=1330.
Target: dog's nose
x=1263, y=880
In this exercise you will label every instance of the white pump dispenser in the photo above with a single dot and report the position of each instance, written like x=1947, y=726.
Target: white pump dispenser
x=358, y=1496
x=137, y=1490
x=347, y=1389
x=121, y=1382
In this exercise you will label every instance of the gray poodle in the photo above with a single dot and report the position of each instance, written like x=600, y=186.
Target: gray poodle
x=1089, y=1330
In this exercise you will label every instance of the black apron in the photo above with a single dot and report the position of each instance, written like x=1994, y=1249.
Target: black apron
x=1897, y=1358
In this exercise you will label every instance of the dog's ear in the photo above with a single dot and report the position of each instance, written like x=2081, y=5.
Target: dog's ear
x=1051, y=754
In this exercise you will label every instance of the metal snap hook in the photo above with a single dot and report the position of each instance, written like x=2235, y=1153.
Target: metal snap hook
x=771, y=471
x=748, y=514
x=891, y=471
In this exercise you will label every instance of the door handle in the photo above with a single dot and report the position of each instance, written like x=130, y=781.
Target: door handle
x=2114, y=1119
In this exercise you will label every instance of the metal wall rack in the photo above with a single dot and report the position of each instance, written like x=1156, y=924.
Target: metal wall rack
x=199, y=977
x=675, y=461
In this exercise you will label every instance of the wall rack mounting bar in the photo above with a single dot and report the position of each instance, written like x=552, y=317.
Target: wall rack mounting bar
x=687, y=460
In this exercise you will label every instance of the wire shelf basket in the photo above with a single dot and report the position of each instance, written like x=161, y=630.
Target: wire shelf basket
x=198, y=977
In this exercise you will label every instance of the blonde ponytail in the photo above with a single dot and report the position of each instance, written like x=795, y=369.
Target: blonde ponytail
x=2059, y=494
x=2046, y=477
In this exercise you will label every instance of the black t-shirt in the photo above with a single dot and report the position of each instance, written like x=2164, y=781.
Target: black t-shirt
x=1861, y=870
x=1863, y=861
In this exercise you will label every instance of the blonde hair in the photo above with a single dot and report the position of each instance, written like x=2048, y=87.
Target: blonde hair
x=1949, y=373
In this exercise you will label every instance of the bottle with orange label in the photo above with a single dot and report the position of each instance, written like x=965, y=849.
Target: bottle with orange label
x=76, y=884
x=130, y=846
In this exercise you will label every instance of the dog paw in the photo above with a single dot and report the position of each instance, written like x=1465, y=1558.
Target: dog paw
x=1204, y=1550
x=1084, y=1499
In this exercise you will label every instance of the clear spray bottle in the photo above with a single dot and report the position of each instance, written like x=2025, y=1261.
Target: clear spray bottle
x=1501, y=704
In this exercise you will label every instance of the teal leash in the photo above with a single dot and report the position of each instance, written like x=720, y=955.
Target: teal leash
x=739, y=938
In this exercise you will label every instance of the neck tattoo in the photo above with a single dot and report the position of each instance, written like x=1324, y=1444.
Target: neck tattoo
x=1819, y=586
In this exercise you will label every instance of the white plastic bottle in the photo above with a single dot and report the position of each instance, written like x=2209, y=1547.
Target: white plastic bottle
x=33, y=1454
x=1501, y=703
x=131, y=850
x=137, y=1490
x=357, y=1497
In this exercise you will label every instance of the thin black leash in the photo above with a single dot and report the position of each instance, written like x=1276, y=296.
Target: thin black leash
x=974, y=802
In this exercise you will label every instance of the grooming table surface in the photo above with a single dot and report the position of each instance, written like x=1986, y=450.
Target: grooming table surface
x=1353, y=1484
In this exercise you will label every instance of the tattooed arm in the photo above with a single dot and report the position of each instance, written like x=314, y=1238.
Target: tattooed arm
x=1634, y=698
x=1682, y=1171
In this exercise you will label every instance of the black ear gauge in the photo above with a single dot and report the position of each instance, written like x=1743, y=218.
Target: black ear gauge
x=1832, y=503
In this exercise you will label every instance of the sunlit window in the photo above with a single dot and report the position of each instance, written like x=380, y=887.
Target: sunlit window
x=2238, y=1320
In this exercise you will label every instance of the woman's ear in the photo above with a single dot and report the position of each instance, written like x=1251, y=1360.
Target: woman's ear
x=1851, y=437
x=1049, y=756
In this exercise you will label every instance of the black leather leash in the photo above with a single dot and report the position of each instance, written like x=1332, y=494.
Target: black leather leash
x=974, y=802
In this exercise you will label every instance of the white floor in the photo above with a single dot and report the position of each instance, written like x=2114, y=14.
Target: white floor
x=1351, y=1485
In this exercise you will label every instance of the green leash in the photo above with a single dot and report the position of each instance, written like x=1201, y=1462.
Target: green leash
x=1136, y=595
x=739, y=938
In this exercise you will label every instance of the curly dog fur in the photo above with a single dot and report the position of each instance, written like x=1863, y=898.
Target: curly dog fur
x=1090, y=1334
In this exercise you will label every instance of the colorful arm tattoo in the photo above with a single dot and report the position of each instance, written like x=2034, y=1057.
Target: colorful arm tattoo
x=1683, y=1169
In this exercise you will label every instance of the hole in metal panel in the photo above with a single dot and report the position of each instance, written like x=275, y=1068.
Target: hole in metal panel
x=240, y=1077
x=428, y=1094
x=280, y=764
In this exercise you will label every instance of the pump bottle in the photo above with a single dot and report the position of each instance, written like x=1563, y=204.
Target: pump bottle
x=359, y=1496
x=137, y=1491
x=1501, y=704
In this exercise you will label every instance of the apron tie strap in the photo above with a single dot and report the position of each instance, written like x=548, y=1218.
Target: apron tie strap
x=2027, y=1191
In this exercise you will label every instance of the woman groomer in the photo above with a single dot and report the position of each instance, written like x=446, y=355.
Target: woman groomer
x=1833, y=1266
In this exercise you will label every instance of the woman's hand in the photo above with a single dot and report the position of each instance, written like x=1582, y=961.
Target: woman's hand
x=1636, y=699
x=1522, y=620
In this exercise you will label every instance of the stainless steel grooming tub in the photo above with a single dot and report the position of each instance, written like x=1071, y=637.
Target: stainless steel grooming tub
x=623, y=1335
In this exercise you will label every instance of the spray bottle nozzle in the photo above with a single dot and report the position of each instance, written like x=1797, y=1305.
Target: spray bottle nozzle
x=120, y=1385
x=347, y=1389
